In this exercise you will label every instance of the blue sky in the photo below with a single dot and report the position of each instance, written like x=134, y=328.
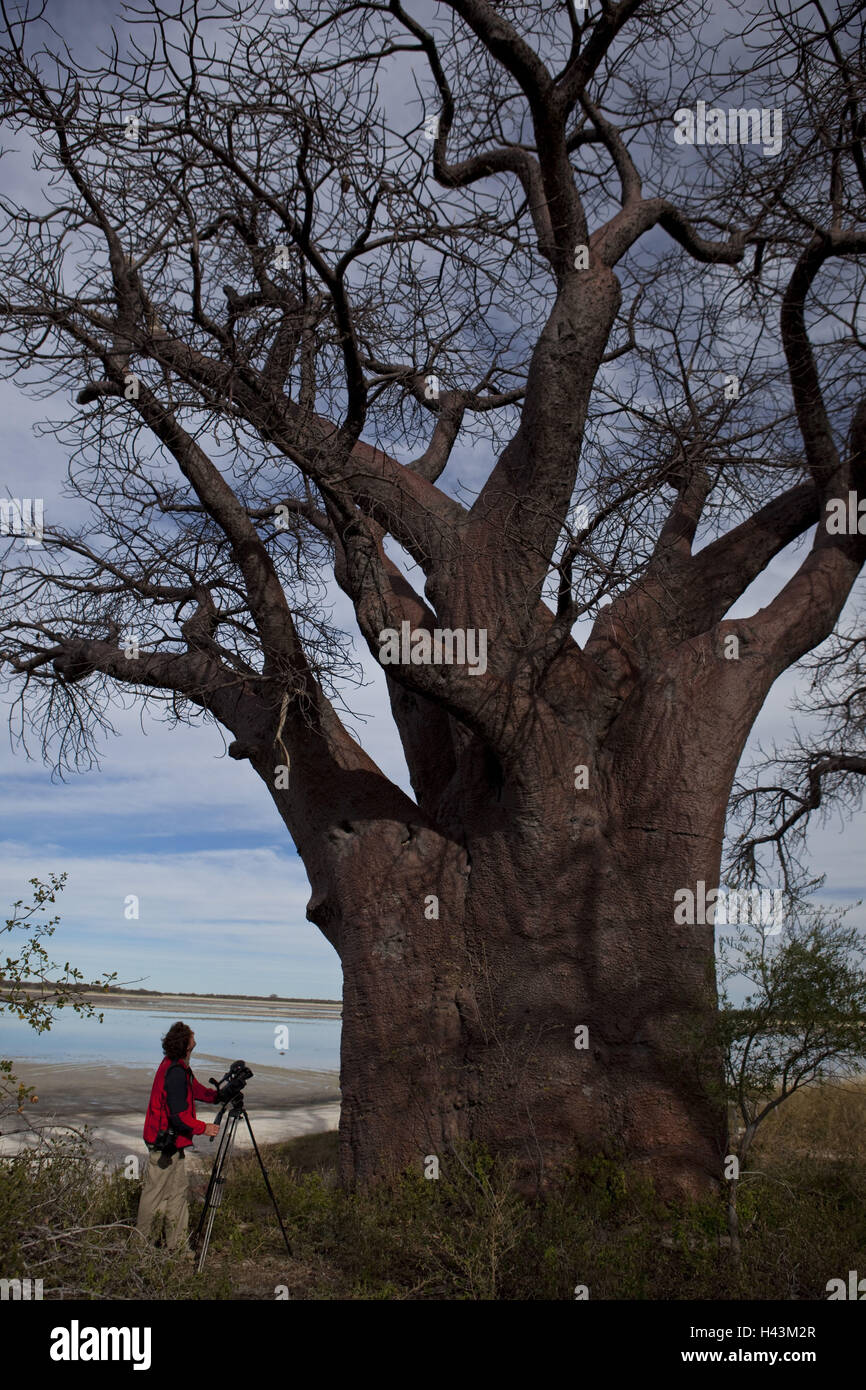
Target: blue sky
x=171, y=819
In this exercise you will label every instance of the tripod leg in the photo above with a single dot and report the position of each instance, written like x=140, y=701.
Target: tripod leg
x=267, y=1182
x=214, y=1195
x=215, y=1174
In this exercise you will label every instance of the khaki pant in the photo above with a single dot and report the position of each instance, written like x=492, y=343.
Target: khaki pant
x=163, y=1194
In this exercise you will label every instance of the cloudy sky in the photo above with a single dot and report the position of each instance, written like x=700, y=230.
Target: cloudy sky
x=172, y=821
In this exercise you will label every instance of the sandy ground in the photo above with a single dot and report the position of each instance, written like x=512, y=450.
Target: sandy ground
x=112, y=1100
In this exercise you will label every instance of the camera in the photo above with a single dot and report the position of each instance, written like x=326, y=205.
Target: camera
x=232, y=1083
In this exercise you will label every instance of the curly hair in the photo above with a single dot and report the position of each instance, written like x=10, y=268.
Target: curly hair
x=175, y=1044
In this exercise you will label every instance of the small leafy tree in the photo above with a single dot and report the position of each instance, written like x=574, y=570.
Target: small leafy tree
x=804, y=1021
x=33, y=986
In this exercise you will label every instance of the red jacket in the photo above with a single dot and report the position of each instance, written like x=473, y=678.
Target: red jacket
x=157, y=1116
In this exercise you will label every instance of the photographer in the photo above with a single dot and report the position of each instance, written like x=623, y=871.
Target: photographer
x=169, y=1128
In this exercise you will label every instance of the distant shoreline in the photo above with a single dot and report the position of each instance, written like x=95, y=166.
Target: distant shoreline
x=249, y=1005
x=116, y=991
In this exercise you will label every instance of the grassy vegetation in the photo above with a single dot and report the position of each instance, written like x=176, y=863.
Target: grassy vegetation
x=468, y=1235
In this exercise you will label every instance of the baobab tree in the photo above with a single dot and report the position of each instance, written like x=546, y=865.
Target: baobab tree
x=534, y=323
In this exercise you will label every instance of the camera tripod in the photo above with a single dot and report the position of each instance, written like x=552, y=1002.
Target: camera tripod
x=214, y=1194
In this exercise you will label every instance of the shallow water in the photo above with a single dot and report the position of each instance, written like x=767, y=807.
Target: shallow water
x=131, y=1038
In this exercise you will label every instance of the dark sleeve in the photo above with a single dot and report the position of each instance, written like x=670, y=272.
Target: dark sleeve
x=176, y=1098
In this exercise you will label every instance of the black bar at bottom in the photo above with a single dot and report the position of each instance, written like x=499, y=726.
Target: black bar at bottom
x=624, y=1338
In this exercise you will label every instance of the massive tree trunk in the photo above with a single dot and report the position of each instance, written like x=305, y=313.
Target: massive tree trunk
x=550, y=920
x=514, y=973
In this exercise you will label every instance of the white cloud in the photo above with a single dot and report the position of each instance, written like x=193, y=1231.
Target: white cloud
x=210, y=920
